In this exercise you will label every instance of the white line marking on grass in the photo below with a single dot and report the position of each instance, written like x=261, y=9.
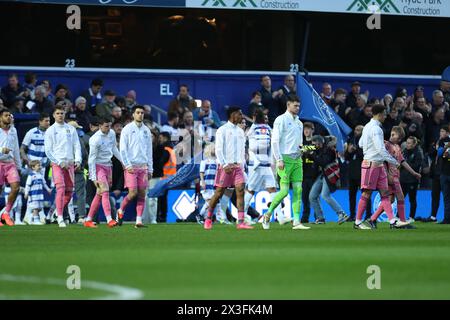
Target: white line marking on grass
x=117, y=292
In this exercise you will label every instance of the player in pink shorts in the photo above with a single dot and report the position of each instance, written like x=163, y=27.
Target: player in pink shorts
x=230, y=152
x=62, y=147
x=373, y=170
x=395, y=189
x=137, y=157
x=9, y=162
x=102, y=147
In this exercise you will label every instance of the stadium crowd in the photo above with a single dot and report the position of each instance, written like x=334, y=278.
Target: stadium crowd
x=424, y=117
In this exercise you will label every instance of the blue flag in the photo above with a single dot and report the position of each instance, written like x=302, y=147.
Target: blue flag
x=313, y=108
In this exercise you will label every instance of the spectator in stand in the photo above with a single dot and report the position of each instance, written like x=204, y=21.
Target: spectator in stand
x=255, y=104
x=421, y=106
x=30, y=83
x=418, y=93
x=93, y=95
x=435, y=173
x=366, y=115
x=354, y=117
x=445, y=84
x=206, y=115
x=121, y=102
x=407, y=118
x=327, y=93
x=18, y=106
x=1, y=104
x=183, y=102
x=392, y=120
x=130, y=99
x=338, y=103
x=353, y=96
x=116, y=114
x=387, y=101
x=41, y=103
x=172, y=126
x=415, y=127
x=104, y=109
x=354, y=156
x=49, y=95
x=282, y=93
x=400, y=105
x=148, y=118
x=439, y=102
x=84, y=116
x=268, y=100
x=413, y=155
x=433, y=127
x=310, y=171
x=401, y=92
x=61, y=93
x=93, y=128
x=210, y=121
x=13, y=89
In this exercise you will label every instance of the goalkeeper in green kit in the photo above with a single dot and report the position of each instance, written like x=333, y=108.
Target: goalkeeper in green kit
x=287, y=139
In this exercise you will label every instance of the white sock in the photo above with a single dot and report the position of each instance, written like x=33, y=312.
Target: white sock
x=28, y=214
x=18, y=215
x=88, y=219
x=247, y=198
x=71, y=210
x=357, y=221
x=138, y=220
x=392, y=221
x=224, y=204
x=203, y=211
x=41, y=214
x=60, y=219
x=108, y=219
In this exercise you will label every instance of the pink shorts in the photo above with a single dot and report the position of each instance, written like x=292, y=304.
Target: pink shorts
x=104, y=174
x=373, y=177
x=230, y=180
x=8, y=173
x=136, y=180
x=64, y=178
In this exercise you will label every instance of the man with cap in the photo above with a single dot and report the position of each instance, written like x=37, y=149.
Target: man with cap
x=354, y=94
x=104, y=109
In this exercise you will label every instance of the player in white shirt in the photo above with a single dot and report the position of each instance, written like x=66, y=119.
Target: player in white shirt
x=62, y=147
x=287, y=140
x=33, y=143
x=102, y=147
x=137, y=157
x=373, y=170
x=208, y=170
x=230, y=152
x=260, y=174
x=10, y=163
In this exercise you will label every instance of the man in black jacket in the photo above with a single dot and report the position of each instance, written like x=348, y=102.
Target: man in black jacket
x=310, y=171
x=435, y=173
x=413, y=155
x=444, y=153
x=354, y=156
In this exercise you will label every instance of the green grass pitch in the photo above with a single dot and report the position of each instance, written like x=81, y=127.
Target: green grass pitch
x=183, y=261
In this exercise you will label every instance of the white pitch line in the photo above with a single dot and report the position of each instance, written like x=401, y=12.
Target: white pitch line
x=117, y=292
